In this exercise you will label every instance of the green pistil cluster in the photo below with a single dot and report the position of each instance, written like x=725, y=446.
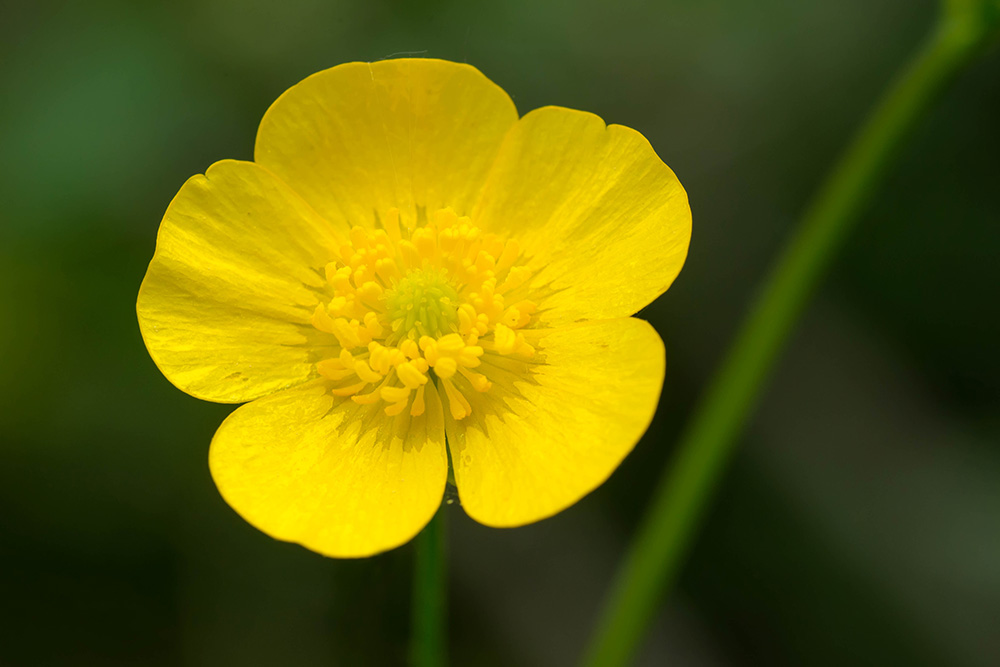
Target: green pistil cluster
x=423, y=302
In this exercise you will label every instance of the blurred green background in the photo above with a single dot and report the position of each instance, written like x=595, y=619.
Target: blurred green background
x=860, y=522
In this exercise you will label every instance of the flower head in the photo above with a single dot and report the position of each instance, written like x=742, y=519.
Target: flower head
x=408, y=270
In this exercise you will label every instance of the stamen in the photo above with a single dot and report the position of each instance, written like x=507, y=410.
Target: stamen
x=417, y=408
x=457, y=403
x=420, y=307
x=350, y=389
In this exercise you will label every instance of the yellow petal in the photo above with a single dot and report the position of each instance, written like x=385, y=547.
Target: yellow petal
x=338, y=478
x=361, y=138
x=226, y=303
x=605, y=223
x=540, y=440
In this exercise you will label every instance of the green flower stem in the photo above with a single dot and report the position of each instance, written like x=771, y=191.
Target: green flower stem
x=429, y=643
x=679, y=502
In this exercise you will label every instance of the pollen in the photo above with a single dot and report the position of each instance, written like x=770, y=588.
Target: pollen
x=427, y=305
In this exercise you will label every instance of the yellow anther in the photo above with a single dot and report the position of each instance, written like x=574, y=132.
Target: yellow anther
x=379, y=358
x=332, y=369
x=417, y=408
x=386, y=269
x=524, y=348
x=515, y=278
x=349, y=389
x=457, y=403
x=365, y=371
x=372, y=324
x=469, y=356
x=410, y=376
x=370, y=291
x=363, y=274
x=346, y=333
x=526, y=310
x=485, y=262
x=339, y=306
x=394, y=409
x=429, y=347
x=366, y=399
x=409, y=348
x=322, y=320
x=511, y=317
x=486, y=302
x=331, y=271
x=446, y=239
x=507, y=341
x=445, y=367
x=363, y=334
x=493, y=245
x=395, y=394
x=341, y=281
x=504, y=339
x=466, y=271
x=411, y=256
x=450, y=343
x=477, y=380
x=425, y=243
x=466, y=318
x=508, y=256
x=348, y=255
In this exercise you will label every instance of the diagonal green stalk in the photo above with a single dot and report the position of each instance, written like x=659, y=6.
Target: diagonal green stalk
x=686, y=486
x=429, y=640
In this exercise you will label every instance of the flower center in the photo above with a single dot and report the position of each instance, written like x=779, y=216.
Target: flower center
x=427, y=305
x=423, y=303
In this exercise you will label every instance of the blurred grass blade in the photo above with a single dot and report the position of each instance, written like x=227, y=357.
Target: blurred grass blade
x=679, y=501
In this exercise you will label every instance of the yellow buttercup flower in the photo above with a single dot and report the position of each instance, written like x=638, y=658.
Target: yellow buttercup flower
x=408, y=270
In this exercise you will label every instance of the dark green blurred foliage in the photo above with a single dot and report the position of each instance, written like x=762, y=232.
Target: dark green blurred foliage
x=860, y=523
